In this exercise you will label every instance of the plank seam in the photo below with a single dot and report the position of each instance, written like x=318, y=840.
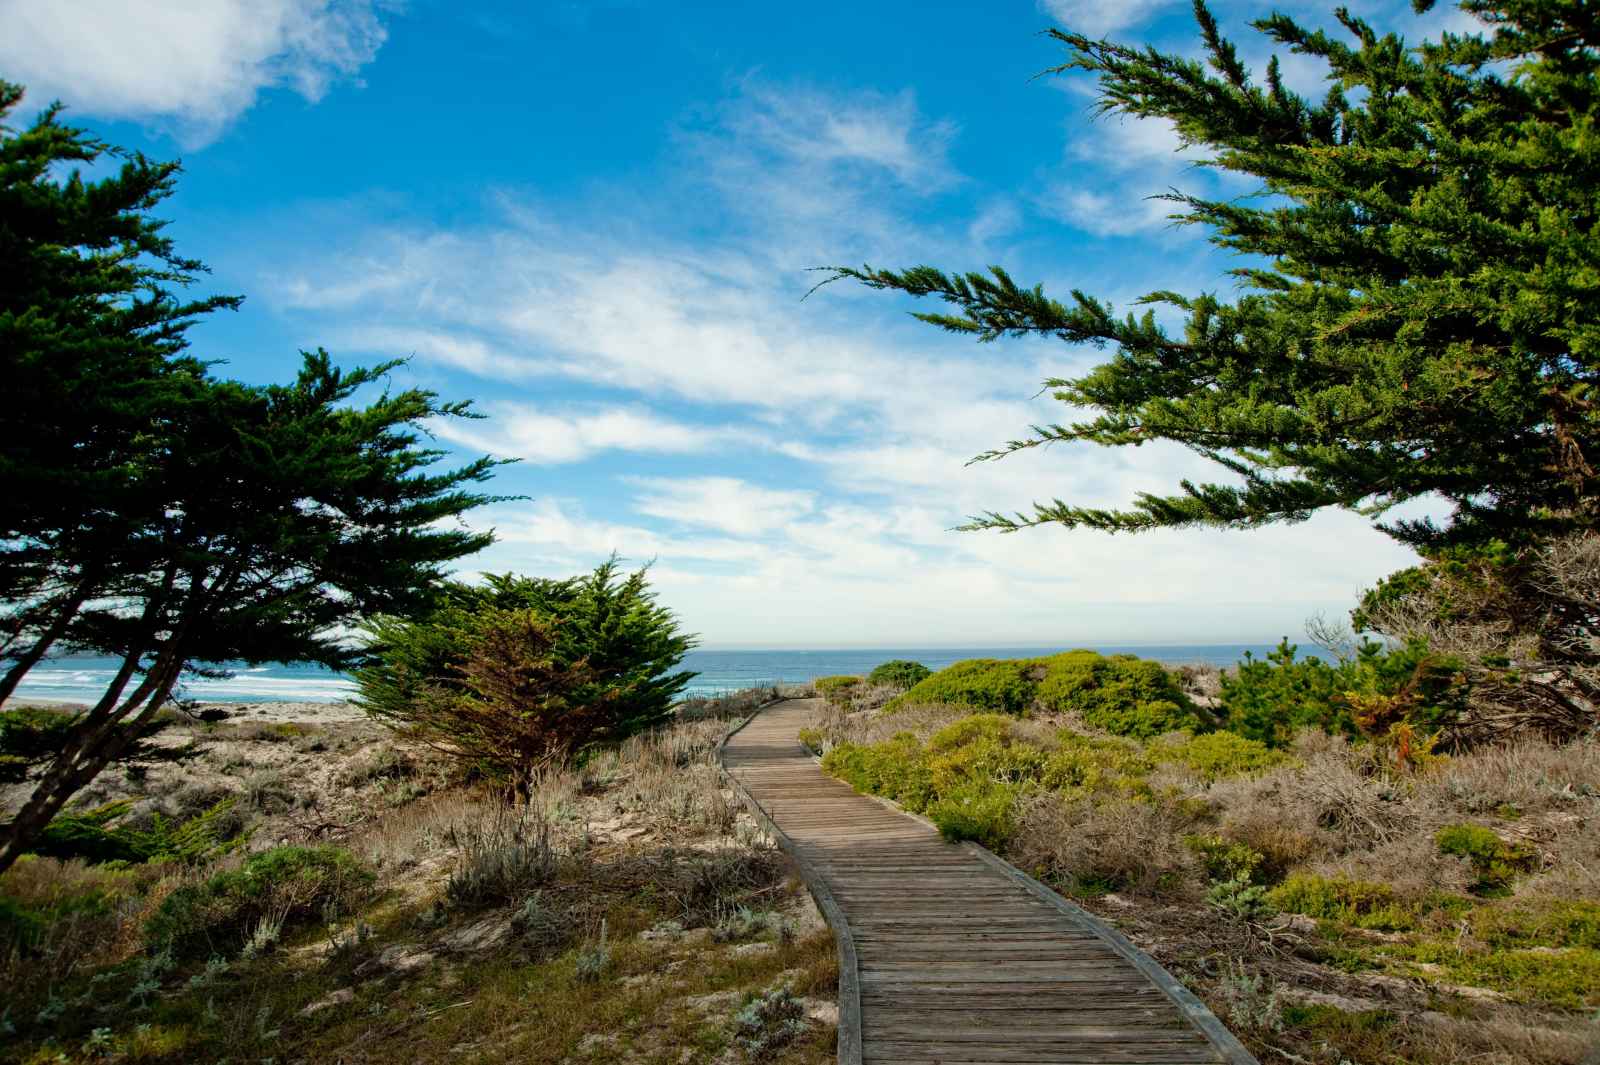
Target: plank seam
x=1216, y=1033
x=849, y=1028
x=1224, y=1041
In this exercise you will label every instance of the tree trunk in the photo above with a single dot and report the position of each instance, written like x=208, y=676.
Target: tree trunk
x=73, y=771
x=30, y=658
x=98, y=739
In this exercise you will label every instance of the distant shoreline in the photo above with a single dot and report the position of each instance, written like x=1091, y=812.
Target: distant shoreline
x=81, y=680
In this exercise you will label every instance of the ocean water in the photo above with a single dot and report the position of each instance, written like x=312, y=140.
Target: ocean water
x=83, y=679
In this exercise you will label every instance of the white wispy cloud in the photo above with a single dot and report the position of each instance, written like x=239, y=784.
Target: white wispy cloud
x=1097, y=18
x=845, y=536
x=190, y=65
x=546, y=437
x=726, y=504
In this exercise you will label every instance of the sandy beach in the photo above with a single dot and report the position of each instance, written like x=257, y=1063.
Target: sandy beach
x=271, y=711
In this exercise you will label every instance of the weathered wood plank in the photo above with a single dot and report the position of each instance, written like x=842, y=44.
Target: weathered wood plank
x=955, y=960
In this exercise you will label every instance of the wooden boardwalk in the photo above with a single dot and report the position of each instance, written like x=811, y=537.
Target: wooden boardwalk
x=948, y=955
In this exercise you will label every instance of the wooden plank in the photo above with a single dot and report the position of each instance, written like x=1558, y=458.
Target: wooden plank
x=953, y=959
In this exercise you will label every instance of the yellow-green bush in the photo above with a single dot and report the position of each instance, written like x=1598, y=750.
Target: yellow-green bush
x=1215, y=755
x=894, y=769
x=1553, y=924
x=1094, y=764
x=1225, y=860
x=1564, y=979
x=836, y=689
x=1122, y=694
x=978, y=810
x=1495, y=861
x=969, y=774
x=1360, y=903
x=981, y=748
x=1002, y=684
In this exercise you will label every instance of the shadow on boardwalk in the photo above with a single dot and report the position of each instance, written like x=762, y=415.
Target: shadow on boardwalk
x=958, y=957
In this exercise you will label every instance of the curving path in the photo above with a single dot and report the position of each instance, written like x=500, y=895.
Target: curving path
x=949, y=955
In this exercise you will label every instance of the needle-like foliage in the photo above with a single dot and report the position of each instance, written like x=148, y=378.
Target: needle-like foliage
x=1421, y=312
x=158, y=514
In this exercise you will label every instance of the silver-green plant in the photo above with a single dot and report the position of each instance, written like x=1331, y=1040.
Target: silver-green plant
x=769, y=1022
x=594, y=961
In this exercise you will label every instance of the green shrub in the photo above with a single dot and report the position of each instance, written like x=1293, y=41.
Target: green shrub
x=92, y=836
x=978, y=749
x=1273, y=698
x=836, y=689
x=1094, y=764
x=519, y=669
x=1122, y=694
x=980, y=683
x=894, y=769
x=1215, y=755
x=969, y=775
x=1495, y=862
x=1353, y=902
x=288, y=883
x=1562, y=979
x=1225, y=860
x=978, y=809
x=1569, y=923
x=899, y=673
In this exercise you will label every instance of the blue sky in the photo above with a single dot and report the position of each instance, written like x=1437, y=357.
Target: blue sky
x=596, y=221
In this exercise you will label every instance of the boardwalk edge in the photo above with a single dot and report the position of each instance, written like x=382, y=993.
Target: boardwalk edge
x=849, y=1028
x=1224, y=1041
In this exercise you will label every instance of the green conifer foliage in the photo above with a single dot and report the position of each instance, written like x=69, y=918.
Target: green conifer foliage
x=1423, y=311
x=163, y=516
x=518, y=673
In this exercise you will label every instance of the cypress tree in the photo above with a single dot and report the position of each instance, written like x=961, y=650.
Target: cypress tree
x=1421, y=318
x=92, y=353
x=163, y=516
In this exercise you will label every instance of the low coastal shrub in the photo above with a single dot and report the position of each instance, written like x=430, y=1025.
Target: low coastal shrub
x=767, y=1023
x=1495, y=862
x=1121, y=694
x=1226, y=860
x=282, y=885
x=978, y=683
x=980, y=810
x=894, y=769
x=899, y=673
x=1358, y=903
x=94, y=836
x=970, y=775
x=1215, y=755
x=836, y=689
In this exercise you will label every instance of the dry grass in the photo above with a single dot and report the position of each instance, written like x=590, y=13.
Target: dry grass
x=1426, y=983
x=638, y=839
x=1127, y=845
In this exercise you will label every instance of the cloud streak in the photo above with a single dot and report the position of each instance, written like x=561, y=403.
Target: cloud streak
x=812, y=464
x=192, y=67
